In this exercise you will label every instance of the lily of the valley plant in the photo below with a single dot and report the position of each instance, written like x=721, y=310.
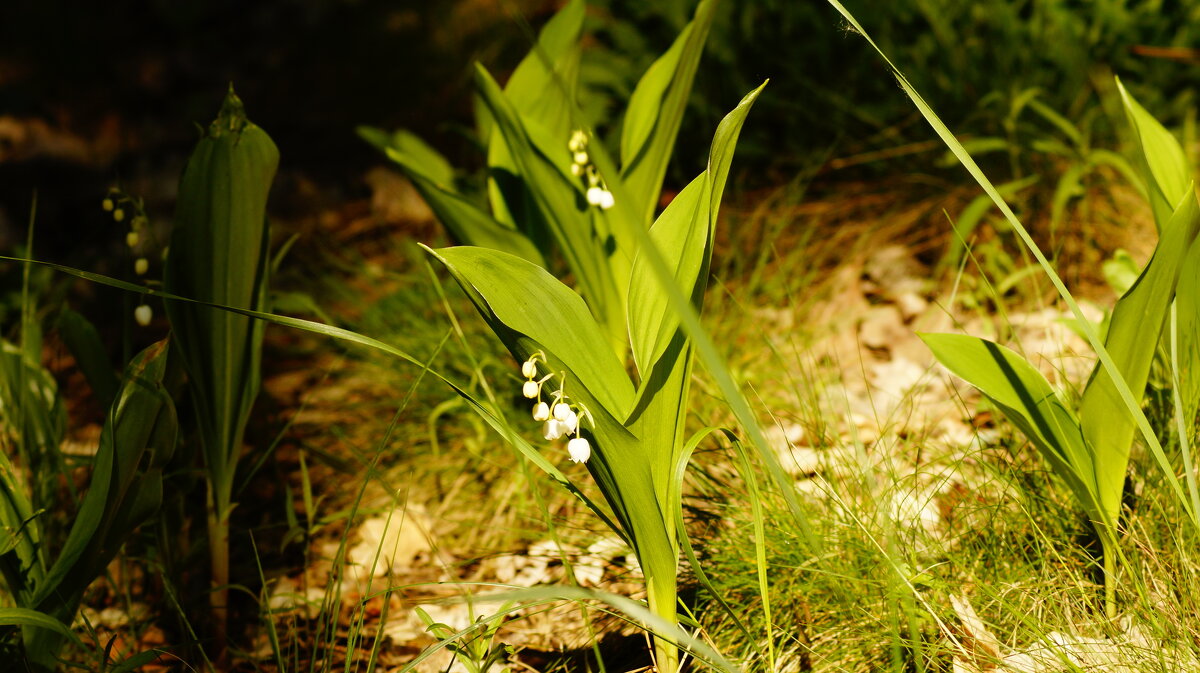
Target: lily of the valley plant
x=1089, y=449
x=629, y=433
x=551, y=184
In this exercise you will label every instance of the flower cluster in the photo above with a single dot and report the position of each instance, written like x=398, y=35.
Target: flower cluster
x=120, y=205
x=582, y=166
x=559, y=417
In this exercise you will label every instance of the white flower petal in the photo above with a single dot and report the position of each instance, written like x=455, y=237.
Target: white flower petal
x=552, y=430
x=579, y=449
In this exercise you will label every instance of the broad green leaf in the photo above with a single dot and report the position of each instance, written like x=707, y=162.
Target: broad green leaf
x=683, y=236
x=1187, y=305
x=656, y=111
x=542, y=90
x=84, y=343
x=563, y=209
x=530, y=311
x=219, y=254
x=1028, y=401
x=407, y=144
x=646, y=101
x=24, y=617
x=1162, y=161
x=125, y=489
x=465, y=221
x=22, y=532
x=1133, y=336
x=126, y=484
x=526, y=299
x=433, y=178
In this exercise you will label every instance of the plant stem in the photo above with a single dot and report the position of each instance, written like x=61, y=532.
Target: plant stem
x=218, y=547
x=1110, y=579
x=662, y=604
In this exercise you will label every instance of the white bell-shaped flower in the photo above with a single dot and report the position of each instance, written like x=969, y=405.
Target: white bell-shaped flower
x=541, y=411
x=529, y=369
x=131, y=238
x=595, y=195
x=606, y=200
x=552, y=430
x=580, y=158
x=141, y=266
x=578, y=141
x=577, y=170
x=579, y=449
x=143, y=314
x=530, y=389
x=561, y=411
x=571, y=421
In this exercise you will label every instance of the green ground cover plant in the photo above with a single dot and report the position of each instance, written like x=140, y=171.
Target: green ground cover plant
x=219, y=254
x=552, y=187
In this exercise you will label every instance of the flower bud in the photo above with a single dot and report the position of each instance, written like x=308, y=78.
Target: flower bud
x=118, y=214
x=580, y=158
x=141, y=266
x=576, y=170
x=552, y=430
x=529, y=369
x=541, y=411
x=578, y=141
x=606, y=200
x=143, y=314
x=132, y=238
x=107, y=205
x=530, y=389
x=579, y=449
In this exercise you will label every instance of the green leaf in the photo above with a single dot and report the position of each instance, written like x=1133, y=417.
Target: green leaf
x=520, y=297
x=1133, y=336
x=531, y=312
x=542, y=91
x=655, y=112
x=1187, y=304
x=219, y=253
x=24, y=617
x=466, y=222
x=83, y=341
x=1162, y=161
x=126, y=485
x=592, y=258
x=409, y=145
x=683, y=236
x=1026, y=399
